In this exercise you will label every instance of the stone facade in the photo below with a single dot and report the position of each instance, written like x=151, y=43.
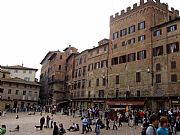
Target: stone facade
x=22, y=72
x=133, y=38
x=16, y=92
x=53, y=74
x=137, y=67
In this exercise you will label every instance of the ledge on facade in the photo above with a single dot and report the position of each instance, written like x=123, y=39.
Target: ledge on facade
x=50, y=81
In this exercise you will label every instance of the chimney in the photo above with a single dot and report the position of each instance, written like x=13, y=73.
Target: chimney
x=141, y=2
x=22, y=64
x=69, y=45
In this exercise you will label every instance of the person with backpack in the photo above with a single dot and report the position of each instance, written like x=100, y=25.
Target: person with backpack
x=163, y=129
x=177, y=126
x=144, y=127
x=151, y=130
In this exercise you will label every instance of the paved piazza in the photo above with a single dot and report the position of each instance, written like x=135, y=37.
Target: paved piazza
x=27, y=123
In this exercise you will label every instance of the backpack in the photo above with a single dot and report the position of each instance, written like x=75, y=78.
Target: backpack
x=143, y=132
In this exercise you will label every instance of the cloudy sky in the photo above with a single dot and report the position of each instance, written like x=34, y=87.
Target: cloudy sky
x=31, y=28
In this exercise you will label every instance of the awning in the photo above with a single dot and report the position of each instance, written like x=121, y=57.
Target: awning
x=129, y=103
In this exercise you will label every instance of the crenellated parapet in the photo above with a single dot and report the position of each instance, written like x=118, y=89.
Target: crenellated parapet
x=140, y=5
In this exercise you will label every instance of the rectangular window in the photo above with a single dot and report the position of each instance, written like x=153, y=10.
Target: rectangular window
x=79, y=84
x=158, y=78
x=97, y=82
x=101, y=93
x=123, y=43
x=157, y=33
x=131, y=41
x=115, y=35
x=97, y=51
x=89, y=94
x=115, y=46
x=76, y=72
x=122, y=59
x=131, y=57
x=17, y=91
x=24, y=92
x=30, y=93
x=80, y=61
x=9, y=91
x=131, y=29
x=105, y=48
x=157, y=51
x=171, y=28
x=117, y=79
x=84, y=70
x=1, y=91
x=117, y=93
x=104, y=81
x=173, y=64
x=60, y=57
x=89, y=84
x=24, y=71
x=138, y=76
x=141, y=38
x=83, y=84
x=79, y=73
x=30, y=71
x=141, y=55
x=138, y=93
x=114, y=61
x=141, y=25
x=123, y=32
x=59, y=67
x=158, y=67
x=173, y=78
x=173, y=47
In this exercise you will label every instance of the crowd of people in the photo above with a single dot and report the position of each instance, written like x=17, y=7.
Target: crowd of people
x=160, y=123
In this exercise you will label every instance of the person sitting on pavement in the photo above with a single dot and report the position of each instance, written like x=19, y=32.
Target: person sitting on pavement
x=61, y=129
x=74, y=127
x=16, y=129
x=3, y=130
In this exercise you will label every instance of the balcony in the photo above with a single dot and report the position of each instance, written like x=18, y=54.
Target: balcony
x=51, y=81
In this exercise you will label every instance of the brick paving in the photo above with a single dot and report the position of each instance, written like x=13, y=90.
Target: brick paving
x=27, y=123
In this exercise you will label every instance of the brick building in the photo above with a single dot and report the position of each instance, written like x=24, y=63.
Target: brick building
x=136, y=49
x=137, y=67
x=52, y=77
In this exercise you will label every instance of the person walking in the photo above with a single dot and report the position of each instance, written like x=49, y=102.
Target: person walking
x=84, y=125
x=120, y=119
x=151, y=130
x=177, y=126
x=52, y=119
x=163, y=129
x=114, y=123
x=47, y=121
x=42, y=121
x=107, y=124
x=55, y=130
x=97, y=128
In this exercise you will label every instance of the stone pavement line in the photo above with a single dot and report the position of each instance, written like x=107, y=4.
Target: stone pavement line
x=27, y=124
